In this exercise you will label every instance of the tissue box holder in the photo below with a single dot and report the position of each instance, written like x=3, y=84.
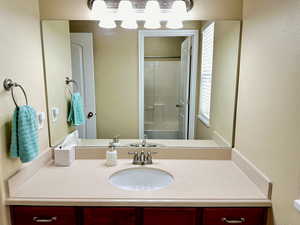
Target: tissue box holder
x=64, y=157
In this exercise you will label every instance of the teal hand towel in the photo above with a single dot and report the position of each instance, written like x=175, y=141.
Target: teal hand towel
x=24, y=139
x=76, y=114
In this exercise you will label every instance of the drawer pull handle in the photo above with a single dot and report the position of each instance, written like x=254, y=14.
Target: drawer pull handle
x=239, y=221
x=44, y=220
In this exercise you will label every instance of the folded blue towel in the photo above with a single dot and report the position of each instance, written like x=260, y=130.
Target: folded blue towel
x=76, y=114
x=24, y=139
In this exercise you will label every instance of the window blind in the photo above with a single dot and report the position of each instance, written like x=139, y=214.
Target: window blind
x=206, y=73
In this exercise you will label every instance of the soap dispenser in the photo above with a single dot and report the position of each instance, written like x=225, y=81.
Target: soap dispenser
x=111, y=155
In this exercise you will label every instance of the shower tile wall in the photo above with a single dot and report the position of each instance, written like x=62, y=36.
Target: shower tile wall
x=161, y=95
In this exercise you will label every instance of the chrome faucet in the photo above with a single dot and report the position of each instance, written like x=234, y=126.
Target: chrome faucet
x=116, y=139
x=142, y=158
x=144, y=141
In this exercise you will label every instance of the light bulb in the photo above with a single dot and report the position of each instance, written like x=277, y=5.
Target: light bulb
x=152, y=15
x=174, y=23
x=152, y=9
x=152, y=24
x=177, y=14
x=99, y=8
x=179, y=9
x=126, y=14
x=129, y=24
x=107, y=23
x=125, y=9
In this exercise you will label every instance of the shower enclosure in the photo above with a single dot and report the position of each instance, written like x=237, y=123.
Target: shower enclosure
x=168, y=73
x=161, y=97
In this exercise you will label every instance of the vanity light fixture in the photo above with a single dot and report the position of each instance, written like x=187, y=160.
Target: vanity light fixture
x=174, y=23
x=152, y=15
x=98, y=9
x=126, y=13
x=151, y=11
x=107, y=23
x=101, y=13
x=177, y=15
x=179, y=8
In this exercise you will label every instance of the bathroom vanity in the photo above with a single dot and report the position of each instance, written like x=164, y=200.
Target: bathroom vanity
x=211, y=189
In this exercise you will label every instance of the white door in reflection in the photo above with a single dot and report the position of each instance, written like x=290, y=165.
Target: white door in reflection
x=83, y=73
x=183, y=99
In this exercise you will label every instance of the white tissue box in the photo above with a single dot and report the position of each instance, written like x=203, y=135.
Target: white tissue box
x=64, y=157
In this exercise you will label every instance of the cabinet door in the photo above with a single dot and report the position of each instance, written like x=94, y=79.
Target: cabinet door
x=242, y=216
x=170, y=216
x=109, y=216
x=27, y=215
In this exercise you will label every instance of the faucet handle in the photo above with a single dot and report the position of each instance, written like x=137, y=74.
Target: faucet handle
x=136, y=157
x=116, y=139
x=149, y=157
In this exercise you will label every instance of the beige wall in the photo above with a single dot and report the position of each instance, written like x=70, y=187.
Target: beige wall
x=163, y=46
x=268, y=116
x=57, y=61
x=203, y=9
x=21, y=60
x=225, y=68
x=116, y=78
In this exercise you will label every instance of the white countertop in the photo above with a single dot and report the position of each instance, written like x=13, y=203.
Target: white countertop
x=196, y=183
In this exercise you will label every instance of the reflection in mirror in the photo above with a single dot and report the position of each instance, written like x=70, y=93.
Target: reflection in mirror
x=165, y=84
x=169, y=84
x=57, y=63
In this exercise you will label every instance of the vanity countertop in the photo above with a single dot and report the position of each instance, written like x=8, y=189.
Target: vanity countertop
x=196, y=183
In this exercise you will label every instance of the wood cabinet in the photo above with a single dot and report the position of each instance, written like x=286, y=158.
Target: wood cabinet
x=109, y=216
x=27, y=215
x=173, y=216
x=24, y=215
x=244, y=216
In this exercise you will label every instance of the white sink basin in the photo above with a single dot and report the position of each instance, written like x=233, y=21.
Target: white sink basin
x=138, y=179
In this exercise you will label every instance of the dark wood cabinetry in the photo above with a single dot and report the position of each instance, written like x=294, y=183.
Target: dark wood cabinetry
x=110, y=216
x=173, y=216
x=27, y=215
x=24, y=215
x=244, y=216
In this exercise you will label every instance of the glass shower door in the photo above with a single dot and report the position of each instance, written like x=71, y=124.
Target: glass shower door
x=161, y=97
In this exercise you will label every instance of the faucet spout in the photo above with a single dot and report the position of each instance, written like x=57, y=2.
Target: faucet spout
x=142, y=157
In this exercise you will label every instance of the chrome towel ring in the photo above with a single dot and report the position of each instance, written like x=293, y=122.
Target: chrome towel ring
x=9, y=85
x=69, y=80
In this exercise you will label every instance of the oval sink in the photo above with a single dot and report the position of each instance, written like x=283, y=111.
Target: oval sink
x=137, y=179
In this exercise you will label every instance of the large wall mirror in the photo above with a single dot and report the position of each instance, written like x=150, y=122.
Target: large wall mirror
x=159, y=84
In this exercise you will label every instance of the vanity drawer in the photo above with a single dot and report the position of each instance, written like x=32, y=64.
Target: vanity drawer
x=170, y=216
x=109, y=216
x=243, y=216
x=28, y=215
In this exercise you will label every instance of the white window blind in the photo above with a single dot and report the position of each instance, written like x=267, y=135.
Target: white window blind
x=206, y=73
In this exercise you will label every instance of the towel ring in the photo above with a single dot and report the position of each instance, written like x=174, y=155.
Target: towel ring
x=69, y=80
x=9, y=85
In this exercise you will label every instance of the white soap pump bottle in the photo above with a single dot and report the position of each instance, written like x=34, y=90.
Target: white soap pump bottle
x=111, y=155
